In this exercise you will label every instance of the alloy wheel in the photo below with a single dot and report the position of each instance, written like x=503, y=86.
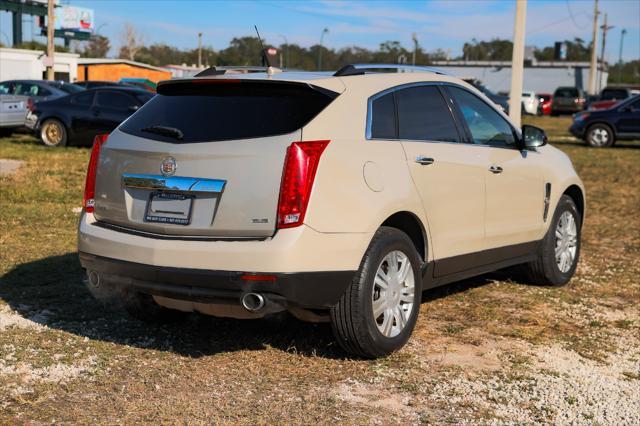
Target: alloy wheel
x=566, y=242
x=599, y=136
x=393, y=293
x=52, y=133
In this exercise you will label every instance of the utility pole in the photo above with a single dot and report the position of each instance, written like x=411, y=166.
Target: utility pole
x=199, y=50
x=594, y=57
x=414, y=37
x=605, y=28
x=622, y=33
x=326, y=30
x=50, y=48
x=286, y=52
x=517, y=62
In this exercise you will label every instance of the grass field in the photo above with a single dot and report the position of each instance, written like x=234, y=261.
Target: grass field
x=490, y=349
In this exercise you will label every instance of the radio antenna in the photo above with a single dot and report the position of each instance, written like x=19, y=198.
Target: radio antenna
x=264, y=52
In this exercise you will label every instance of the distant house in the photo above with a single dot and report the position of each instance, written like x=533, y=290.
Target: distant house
x=182, y=71
x=24, y=64
x=116, y=69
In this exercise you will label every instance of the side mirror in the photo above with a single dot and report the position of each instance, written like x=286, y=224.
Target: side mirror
x=533, y=136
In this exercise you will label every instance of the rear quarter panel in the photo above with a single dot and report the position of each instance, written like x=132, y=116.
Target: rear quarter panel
x=342, y=200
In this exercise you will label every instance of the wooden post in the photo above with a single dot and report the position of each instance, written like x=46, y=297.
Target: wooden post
x=50, y=47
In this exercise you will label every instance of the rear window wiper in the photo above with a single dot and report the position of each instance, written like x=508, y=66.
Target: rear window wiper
x=172, y=132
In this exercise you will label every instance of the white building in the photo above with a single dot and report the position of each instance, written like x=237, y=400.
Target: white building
x=183, y=71
x=539, y=76
x=26, y=64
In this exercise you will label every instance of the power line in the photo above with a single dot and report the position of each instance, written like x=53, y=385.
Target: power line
x=581, y=27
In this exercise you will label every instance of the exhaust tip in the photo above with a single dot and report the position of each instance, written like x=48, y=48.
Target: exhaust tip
x=253, y=302
x=94, y=279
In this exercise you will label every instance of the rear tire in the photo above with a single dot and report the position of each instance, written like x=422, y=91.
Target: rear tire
x=143, y=307
x=599, y=136
x=560, y=250
x=53, y=133
x=379, y=309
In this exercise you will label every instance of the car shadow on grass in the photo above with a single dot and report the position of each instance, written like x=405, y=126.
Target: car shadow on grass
x=51, y=292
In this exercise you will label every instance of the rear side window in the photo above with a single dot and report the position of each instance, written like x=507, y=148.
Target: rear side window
x=116, y=100
x=424, y=115
x=213, y=111
x=85, y=98
x=383, y=117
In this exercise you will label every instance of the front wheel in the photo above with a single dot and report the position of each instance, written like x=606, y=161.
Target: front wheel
x=379, y=309
x=600, y=136
x=560, y=249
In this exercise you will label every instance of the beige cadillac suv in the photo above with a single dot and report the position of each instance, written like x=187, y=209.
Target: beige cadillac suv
x=337, y=197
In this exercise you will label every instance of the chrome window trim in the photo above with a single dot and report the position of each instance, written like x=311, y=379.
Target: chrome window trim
x=173, y=183
x=430, y=83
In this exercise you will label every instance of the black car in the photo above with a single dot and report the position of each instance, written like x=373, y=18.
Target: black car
x=77, y=118
x=601, y=128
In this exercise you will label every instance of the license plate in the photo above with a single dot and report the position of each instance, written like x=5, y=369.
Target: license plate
x=166, y=207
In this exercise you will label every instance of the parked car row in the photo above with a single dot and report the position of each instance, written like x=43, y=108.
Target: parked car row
x=76, y=119
x=62, y=113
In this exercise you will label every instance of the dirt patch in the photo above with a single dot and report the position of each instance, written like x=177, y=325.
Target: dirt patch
x=10, y=318
x=8, y=167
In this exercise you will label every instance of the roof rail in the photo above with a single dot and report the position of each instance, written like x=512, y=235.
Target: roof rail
x=359, y=69
x=220, y=70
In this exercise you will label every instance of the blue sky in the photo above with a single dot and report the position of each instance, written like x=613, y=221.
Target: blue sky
x=437, y=23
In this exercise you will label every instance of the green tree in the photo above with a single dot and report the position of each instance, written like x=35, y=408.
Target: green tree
x=577, y=50
x=625, y=73
x=36, y=45
x=494, y=50
x=97, y=47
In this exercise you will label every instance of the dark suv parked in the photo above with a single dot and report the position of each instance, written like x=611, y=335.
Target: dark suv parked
x=601, y=128
x=567, y=100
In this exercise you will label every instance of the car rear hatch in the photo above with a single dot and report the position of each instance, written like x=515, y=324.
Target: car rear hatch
x=204, y=158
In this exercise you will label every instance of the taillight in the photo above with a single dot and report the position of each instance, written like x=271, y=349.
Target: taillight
x=88, y=201
x=300, y=166
x=30, y=105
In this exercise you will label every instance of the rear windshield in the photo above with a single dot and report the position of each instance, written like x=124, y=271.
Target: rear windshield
x=609, y=94
x=215, y=110
x=567, y=92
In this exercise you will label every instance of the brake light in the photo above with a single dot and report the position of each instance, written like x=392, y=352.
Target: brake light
x=30, y=105
x=300, y=166
x=88, y=201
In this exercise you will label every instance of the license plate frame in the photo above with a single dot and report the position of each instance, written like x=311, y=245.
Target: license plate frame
x=177, y=218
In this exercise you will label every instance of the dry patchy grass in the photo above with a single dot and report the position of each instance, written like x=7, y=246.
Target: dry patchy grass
x=487, y=349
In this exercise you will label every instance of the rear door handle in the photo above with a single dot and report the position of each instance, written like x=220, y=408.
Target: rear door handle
x=425, y=161
x=495, y=169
